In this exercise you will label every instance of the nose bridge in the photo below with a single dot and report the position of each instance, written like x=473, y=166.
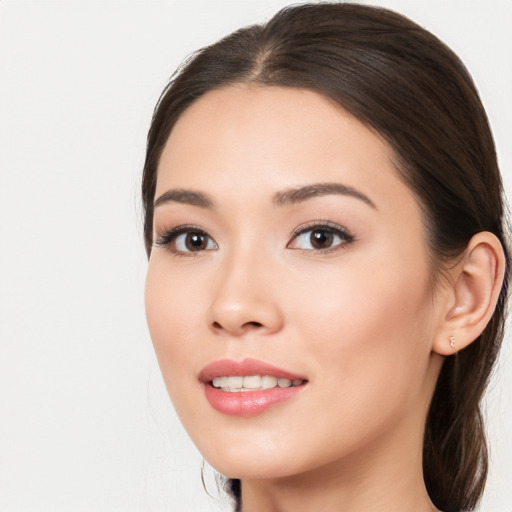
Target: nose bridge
x=244, y=299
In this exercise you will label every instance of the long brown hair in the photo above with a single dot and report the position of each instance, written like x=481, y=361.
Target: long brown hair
x=404, y=83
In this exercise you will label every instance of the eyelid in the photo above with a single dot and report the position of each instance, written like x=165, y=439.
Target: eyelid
x=168, y=236
x=327, y=225
x=320, y=224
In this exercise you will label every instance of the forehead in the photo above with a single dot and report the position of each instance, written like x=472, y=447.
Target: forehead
x=260, y=139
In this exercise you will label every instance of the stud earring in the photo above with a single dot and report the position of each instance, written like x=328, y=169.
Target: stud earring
x=452, y=341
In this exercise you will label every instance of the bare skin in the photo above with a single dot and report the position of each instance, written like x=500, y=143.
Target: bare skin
x=355, y=314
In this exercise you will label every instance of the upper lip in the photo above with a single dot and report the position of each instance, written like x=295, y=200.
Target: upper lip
x=231, y=368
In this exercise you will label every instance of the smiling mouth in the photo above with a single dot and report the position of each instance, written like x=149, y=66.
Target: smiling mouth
x=249, y=387
x=235, y=384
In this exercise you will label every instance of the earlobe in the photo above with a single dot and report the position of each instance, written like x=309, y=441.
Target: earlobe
x=476, y=285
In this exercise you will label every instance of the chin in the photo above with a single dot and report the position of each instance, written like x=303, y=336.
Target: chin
x=250, y=460
x=263, y=460
x=253, y=469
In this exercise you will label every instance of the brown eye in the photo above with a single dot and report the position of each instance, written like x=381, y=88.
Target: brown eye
x=195, y=241
x=185, y=240
x=321, y=239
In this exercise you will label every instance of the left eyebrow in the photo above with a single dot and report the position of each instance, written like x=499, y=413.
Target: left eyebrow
x=299, y=194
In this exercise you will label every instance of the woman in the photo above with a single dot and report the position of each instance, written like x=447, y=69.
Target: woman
x=327, y=262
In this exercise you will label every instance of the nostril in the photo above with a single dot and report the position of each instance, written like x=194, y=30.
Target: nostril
x=246, y=325
x=253, y=324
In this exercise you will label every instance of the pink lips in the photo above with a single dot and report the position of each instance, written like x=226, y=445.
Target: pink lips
x=246, y=403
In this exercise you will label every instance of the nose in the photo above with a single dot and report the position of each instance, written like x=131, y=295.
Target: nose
x=245, y=300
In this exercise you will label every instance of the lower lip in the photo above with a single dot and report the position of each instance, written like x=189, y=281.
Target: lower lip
x=248, y=403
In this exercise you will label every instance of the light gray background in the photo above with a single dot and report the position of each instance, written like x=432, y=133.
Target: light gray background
x=85, y=423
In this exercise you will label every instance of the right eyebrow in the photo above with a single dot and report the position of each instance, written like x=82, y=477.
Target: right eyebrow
x=184, y=196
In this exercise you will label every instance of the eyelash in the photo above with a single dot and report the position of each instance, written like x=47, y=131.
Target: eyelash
x=329, y=227
x=169, y=237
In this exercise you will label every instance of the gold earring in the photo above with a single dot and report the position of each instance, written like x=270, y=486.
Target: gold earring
x=452, y=341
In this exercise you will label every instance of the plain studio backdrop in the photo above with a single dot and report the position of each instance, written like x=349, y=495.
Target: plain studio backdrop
x=85, y=422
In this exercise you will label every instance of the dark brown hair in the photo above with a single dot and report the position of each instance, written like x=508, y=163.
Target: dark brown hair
x=401, y=81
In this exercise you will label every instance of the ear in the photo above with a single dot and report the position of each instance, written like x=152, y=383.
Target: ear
x=475, y=285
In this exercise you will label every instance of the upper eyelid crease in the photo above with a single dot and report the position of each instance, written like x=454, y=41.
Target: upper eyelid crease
x=178, y=230
x=318, y=224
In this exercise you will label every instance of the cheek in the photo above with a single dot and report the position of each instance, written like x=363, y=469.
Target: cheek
x=368, y=329
x=173, y=309
x=173, y=298
x=172, y=317
x=366, y=340
x=358, y=298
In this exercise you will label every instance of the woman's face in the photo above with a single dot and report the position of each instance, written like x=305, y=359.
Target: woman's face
x=287, y=247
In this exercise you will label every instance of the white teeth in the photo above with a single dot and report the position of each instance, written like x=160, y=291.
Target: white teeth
x=252, y=382
x=220, y=382
x=268, y=382
x=235, y=383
